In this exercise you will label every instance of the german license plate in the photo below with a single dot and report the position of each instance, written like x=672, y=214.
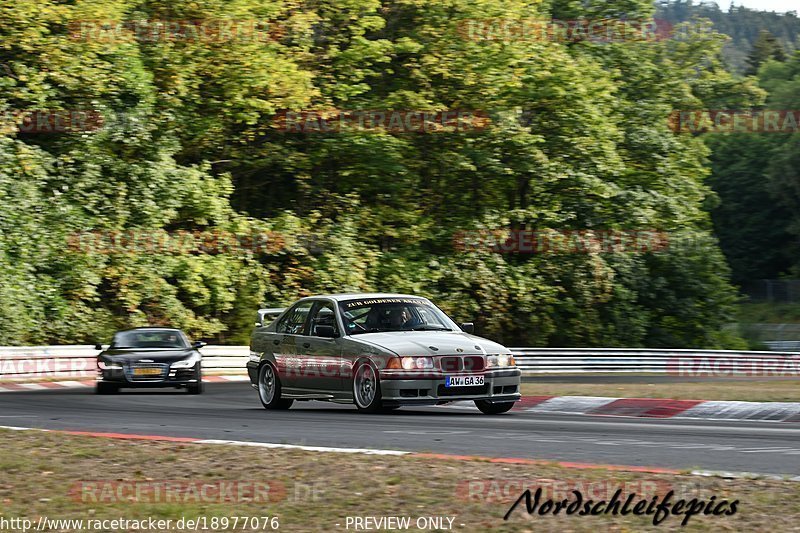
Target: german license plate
x=146, y=371
x=463, y=381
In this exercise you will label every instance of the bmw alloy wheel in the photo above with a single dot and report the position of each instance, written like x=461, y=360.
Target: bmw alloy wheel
x=266, y=385
x=269, y=389
x=366, y=389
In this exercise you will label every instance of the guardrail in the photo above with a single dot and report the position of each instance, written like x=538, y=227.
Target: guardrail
x=783, y=346
x=65, y=362
x=656, y=361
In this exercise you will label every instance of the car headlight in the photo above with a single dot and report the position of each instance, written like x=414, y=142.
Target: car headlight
x=410, y=363
x=502, y=360
x=108, y=365
x=189, y=362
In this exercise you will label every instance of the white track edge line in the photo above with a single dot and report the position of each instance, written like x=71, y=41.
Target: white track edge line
x=369, y=451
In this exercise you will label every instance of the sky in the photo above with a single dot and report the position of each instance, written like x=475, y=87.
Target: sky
x=764, y=5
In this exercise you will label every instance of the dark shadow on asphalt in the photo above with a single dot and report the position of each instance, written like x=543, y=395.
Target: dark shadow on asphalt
x=396, y=413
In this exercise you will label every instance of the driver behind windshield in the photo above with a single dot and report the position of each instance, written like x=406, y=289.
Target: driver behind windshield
x=403, y=319
x=398, y=318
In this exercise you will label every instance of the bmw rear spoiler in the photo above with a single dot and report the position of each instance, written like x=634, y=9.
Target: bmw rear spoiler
x=266, y=316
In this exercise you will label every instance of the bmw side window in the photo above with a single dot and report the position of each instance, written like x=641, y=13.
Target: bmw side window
x=295, y=320
x=323, y=316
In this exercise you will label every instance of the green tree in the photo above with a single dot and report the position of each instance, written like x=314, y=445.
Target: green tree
x=765, y=47
x=756, y=179
x=577, y=140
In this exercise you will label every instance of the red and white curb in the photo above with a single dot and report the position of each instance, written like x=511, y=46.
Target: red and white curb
x=49, y=385
x=655, y=408
x=575, y=405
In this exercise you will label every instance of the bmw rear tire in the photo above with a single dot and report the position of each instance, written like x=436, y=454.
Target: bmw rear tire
x=269, y=389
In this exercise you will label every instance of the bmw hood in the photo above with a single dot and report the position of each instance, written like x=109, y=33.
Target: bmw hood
x=432, y=343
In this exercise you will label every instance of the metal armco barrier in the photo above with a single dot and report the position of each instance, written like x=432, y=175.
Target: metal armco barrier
x=67, y=362
x=656, y=361
x=783, y=346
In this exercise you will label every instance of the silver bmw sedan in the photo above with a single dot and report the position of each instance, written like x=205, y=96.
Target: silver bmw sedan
x=378, y=351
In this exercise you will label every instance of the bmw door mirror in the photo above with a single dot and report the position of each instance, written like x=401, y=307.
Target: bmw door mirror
x=468, y=327
x=327, y=331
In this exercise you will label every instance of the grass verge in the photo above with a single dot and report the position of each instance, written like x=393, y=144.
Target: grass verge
x=316, y=491
x=769, y=313
x=746, y=391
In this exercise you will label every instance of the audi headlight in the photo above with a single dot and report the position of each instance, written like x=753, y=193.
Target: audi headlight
x=108, y=365
x=189, y=362
x=498, y=361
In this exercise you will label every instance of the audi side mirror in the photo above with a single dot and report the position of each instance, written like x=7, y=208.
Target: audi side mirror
x=468, y=327
x=199, y=344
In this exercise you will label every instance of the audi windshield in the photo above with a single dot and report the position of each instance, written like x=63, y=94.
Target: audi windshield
x=150, y=339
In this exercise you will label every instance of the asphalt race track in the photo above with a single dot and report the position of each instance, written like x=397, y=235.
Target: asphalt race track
x=231, y=411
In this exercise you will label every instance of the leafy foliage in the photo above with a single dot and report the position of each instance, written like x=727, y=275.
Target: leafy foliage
x=578, y=140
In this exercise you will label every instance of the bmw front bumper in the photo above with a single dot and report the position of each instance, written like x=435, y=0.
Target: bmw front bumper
x=500, y=385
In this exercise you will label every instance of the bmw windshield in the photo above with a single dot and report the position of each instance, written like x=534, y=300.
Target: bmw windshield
x=393, y=314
